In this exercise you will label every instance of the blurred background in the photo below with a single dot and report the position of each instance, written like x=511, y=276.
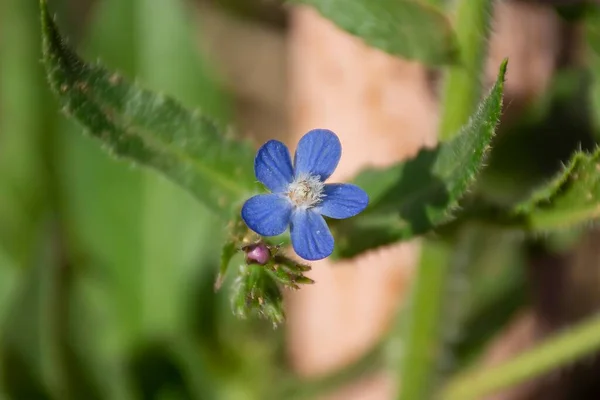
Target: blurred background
x=107, y=270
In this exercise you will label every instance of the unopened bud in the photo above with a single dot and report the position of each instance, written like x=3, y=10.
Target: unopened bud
x=257, y=253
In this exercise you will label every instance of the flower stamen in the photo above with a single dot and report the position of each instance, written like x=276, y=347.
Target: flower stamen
x=306, y=191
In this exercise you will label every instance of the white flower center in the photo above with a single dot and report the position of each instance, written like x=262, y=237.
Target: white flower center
x=306, y=191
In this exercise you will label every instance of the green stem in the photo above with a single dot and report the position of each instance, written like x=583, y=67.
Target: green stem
x=557, y=351
x=422, y=324
x=462, y=86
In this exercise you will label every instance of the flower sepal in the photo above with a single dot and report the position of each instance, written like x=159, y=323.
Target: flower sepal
x=264, y=272
x=257, y=289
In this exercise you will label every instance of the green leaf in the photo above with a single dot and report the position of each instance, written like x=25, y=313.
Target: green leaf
x=151, y=129
x=413, y=197
x=404, y=28
x=571, y=198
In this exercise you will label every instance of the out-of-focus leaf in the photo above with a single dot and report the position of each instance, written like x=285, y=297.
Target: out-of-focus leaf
x=480, y=273
x=28, y=351
x=462, y=88
x=141, y=237
x=151, y=129
x=564, y=107
x=557, y=351
x=592, y=26
x=405, y=28
x=26, y=130
x=571, y=198
x=9, y=279
x=415, y=196
x=488, y=286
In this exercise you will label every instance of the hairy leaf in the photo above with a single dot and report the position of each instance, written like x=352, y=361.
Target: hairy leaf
x=415, y=196
x=405, y=28
x=571, y=198
x=151, y=129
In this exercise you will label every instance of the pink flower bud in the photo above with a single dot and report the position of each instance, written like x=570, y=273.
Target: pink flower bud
x=257, y=253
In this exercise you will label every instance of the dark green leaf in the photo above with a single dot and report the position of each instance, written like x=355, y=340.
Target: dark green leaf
x=149, y=128
x=415, y=196
x=405, y=28
x=571, y=198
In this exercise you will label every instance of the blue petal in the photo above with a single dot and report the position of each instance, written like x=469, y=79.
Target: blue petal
x=342, y=200
x=318, y=153
x=273, y=166
x=267, y=214
x=311, y=238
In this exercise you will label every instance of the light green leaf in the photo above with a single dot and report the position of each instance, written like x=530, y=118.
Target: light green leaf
x=405, y=28
x=571, y=198
x=151, y=129
x=413, y=197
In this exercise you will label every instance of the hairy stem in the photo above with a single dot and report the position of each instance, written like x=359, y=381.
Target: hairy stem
x=421, y=336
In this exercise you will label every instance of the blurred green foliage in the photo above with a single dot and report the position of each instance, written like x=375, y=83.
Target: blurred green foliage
x=108, y=269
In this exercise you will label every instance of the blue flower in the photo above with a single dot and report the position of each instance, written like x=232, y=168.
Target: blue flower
x=300, y=198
